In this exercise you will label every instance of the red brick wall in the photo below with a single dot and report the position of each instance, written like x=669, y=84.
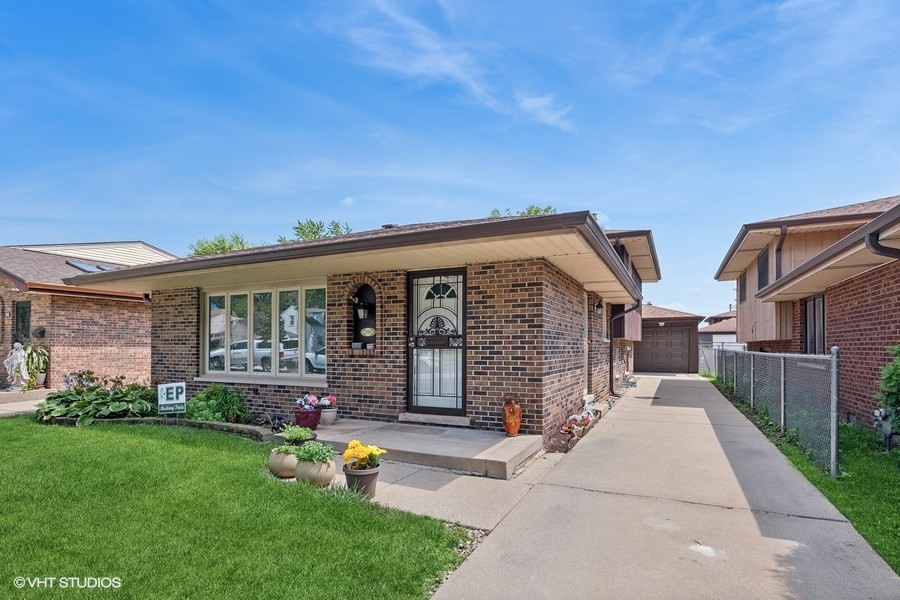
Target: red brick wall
x=369, y=384
x=797, y=343
x=623, y=356
x=598, y=353
x=863, y=319
x=109, y=337
x=563, y=348
x=175, y=332
x=505, y=324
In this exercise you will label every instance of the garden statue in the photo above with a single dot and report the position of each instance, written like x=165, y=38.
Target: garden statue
x=16, y=369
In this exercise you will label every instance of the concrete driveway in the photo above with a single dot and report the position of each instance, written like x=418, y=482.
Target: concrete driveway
x=674, y=494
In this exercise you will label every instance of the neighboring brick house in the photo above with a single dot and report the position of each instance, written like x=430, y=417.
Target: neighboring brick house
x=429, y=323
x=105, y=331
x=829, y=278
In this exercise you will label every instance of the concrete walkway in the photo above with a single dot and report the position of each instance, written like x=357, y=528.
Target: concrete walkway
x=20, y=403
x=674, y=494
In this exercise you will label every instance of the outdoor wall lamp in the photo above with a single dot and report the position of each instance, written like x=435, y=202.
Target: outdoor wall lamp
x=662, y=323
x=598, y=308
x=362, y=308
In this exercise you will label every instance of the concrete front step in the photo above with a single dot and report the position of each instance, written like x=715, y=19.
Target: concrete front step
x=487, y=453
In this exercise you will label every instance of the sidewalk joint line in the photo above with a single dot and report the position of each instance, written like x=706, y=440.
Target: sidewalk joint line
x=697, y=503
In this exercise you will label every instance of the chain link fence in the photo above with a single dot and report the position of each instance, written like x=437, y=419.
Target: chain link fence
x=798, y=392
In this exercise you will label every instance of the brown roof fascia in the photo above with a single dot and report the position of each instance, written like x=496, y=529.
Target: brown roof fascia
x=747, y=227
x=646, y=233
x=69, y=290
x=583, y=221
x=886, y=219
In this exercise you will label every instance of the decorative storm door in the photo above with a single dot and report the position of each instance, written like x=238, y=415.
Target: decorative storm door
x=437, y=360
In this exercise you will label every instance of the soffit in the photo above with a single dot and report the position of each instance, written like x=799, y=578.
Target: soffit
x=756, y=240
x=854, y=261
x=566, y=249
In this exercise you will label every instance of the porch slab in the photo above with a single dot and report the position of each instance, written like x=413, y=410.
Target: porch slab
x=487, y=453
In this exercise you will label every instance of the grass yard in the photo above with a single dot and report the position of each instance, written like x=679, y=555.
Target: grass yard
x=184, y=513
x=865, y=492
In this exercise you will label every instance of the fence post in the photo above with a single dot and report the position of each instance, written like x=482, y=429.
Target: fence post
x=835, y=412
x=734, y=372
x=783, y=389
x=752, y=377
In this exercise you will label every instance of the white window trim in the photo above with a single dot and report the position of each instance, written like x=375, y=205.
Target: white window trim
x=249, y=376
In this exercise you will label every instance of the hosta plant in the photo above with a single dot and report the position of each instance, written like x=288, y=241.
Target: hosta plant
x=88, y=404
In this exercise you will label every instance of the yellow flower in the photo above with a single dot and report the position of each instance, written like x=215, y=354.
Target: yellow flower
x=353, y=444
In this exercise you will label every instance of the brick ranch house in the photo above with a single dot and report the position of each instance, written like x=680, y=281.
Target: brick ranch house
x=105, y=331
x=428, y=323
x=816, y=280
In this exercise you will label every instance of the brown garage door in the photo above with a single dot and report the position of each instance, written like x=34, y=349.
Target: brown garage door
x=663, y=349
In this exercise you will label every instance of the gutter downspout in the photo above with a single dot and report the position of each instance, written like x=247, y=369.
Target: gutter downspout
x=778, y=269
x=875, y=247
x=612, y=371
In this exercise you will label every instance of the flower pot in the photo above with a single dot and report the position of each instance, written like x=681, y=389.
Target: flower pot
x=329, y=416
x=302, y=441
x=282, y=465
x=362, y=480
x=307, y=418
x=579, y=432
x=39, y=379
x=319, y=474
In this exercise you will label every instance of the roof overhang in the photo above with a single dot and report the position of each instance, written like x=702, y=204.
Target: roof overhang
x=35, y=287
x=847, y=258
x=573, y=242
x=642, y=251
x=754, y=237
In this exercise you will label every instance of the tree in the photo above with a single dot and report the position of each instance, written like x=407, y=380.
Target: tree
x=532, y=210
x=314, y=230
x=219, y=244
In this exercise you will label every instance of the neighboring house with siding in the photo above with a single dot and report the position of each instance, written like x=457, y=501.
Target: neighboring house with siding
x=428, y=323
x=105, y=331
x=828, y=278
x=720, y=331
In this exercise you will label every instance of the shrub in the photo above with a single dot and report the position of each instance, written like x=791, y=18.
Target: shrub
x=890, y=386
x=218, y=403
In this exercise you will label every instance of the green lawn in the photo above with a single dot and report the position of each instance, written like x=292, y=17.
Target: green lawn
x=866, y=491
x=183, y=513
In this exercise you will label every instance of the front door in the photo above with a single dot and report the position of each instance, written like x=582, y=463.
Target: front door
x=437, y=340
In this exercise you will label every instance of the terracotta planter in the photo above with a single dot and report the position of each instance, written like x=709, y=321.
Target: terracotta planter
x=329, y=416
x=319, y=474
x=282, y=465
x=512, y=415
x=363, y=481
x=307, y=418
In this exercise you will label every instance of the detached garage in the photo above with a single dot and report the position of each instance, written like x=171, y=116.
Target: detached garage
x=668, y=343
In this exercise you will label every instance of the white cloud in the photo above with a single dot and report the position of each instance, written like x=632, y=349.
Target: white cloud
x=544, y=109
x=348, y=201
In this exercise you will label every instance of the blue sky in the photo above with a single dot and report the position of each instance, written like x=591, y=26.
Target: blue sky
x=167, y=122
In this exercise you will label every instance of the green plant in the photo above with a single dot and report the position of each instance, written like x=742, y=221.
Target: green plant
x=294, y=433
x=88, y=404
x=218, y=403
x=890, y=386
x=285, y=449
x=37, y=359
x=314, y=452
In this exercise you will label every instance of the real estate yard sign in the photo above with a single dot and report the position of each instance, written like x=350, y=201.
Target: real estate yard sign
x=172, y=398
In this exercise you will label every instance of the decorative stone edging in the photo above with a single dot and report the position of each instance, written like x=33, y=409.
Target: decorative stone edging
x=259, y=434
